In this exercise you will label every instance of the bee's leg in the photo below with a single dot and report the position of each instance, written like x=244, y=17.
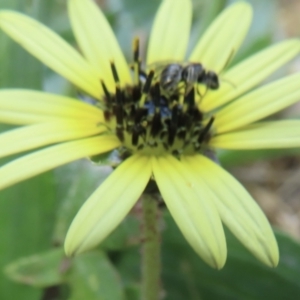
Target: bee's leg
x=200, y=94
x=198, y=91
x=182, y=90
x=206, y=89
x=203, y=134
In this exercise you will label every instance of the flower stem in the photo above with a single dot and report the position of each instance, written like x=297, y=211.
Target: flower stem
x=150, y=249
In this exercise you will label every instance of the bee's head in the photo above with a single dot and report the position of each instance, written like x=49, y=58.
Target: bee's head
x=210, y=79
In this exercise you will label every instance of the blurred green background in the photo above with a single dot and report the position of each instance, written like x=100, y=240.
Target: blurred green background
x=35, y=214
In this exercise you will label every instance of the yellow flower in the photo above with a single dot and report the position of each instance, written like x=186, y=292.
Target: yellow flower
x=160, y=135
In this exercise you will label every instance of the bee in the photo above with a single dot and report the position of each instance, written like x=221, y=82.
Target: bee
x=191, y=73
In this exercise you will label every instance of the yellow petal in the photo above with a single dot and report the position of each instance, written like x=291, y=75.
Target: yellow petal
x=52, y=50
x=192, y=209
x=223, y=38
x=238, y=210
x=108, y=205
x=19, y=106
x=52, y=157
x=97, y=40
x=38, y=135
x=250, y=72
x=170, y=31
x=258, y=104
x=278, y=134
x=20, y=118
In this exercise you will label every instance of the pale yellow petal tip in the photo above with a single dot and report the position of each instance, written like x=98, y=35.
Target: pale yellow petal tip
x=215, y=257
x=272, y=255
x=266, y=250
x=214, y=254
x=270, y=261
x=69, y=251
x=214, y=260
x=82, y=237
x=219, y=263
x=218, y=255
x=220, y=260
x=73, y=246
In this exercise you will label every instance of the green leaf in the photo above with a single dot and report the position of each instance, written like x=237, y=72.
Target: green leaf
x=75, y=182
x=128, y=264
x=185, y=276
x=39, y=270
x=26, y=222
x=93, y=277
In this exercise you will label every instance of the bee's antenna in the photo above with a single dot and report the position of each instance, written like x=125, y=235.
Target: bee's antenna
x=203, y=95
x=226, y=65
x=227, y=62
x=229, y=82
x=198, y=91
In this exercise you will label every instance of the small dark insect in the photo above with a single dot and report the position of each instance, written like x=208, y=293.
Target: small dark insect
x=174, y=73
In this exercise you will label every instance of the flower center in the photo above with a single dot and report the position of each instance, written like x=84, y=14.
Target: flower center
x=159, y=112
